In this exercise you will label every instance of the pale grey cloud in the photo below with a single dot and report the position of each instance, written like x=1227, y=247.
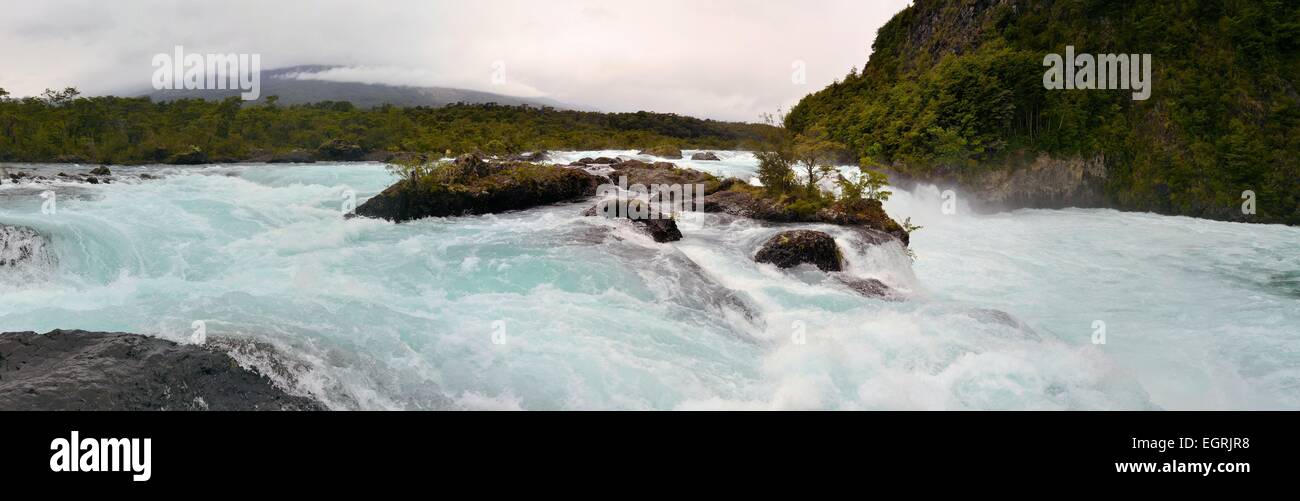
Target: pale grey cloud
x=728, y=59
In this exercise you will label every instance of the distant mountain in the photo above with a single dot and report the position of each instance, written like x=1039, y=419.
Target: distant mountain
x=291, y=90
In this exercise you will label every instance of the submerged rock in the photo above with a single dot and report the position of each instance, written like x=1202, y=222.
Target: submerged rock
x=99, y=171
x=472, y=185
x=792, y=248
x=707, y=156
x=872, y=288
x=80, y=370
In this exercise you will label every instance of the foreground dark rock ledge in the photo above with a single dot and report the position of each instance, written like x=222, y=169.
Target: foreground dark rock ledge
x=80, y=370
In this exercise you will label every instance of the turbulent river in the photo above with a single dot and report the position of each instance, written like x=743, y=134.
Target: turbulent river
x=546, y=309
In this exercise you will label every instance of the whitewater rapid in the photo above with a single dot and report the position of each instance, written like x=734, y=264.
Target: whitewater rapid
x=546, y=309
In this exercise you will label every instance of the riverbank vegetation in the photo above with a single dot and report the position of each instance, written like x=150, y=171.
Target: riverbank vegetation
x=955, y=88
x=65, y=126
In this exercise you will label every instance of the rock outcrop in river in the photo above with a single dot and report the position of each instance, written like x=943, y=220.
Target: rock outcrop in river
x=79, y=370
x=744, y=201
x=792, y=248
x=661, y=229
x=472, y=185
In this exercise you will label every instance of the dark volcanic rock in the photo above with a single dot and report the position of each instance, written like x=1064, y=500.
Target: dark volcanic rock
x=792, y=248
x=99, y=171
x=79, y=370
x=661, y=229
x=871, y=287
x=476, y=186
x=745, y=204
x=584, y=161
x=706, y=156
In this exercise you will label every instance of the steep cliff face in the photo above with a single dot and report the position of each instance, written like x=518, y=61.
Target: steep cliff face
x=954, y=93
x=1042, y=182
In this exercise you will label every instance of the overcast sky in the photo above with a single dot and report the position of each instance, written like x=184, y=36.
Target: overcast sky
x=725, y=59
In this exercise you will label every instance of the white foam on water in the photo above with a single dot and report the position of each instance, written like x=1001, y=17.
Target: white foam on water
x=545, y=309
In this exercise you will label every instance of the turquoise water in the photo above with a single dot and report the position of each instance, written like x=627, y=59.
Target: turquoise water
x=545, y=309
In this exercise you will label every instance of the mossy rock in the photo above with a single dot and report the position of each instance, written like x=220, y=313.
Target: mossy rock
x=479, y=187
x=752, y=202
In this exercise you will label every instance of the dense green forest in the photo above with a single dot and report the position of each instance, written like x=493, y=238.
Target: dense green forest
x=61, y=125
x=953, y=87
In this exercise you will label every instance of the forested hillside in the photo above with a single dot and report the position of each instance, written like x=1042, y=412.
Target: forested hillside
x=954, y=88
x=64, y=126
